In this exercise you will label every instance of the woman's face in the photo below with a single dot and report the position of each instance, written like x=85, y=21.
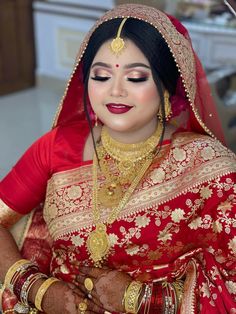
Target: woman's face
x=122, y=91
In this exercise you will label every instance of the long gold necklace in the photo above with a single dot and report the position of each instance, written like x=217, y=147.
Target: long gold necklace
x=98, y=243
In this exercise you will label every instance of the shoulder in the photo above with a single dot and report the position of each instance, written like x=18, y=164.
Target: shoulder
x=196, y=151
x=204, y=146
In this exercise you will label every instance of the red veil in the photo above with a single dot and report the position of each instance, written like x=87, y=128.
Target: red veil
x=193, y=91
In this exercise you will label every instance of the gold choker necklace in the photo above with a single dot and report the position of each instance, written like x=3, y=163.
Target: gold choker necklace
x=131, y=152
x=110, y=194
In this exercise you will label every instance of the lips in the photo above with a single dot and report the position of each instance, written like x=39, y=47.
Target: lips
x=118, y=108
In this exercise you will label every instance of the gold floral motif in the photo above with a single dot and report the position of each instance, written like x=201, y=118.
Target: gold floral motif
x=208, y=153
x=177, y=215
x=224, y=207
x=205, y=192
x=142, y=221
x=77, y=240
x=196, y=223
x=217, y=226
x=74, y=192
x=205, y=290
x=231, y=286
x=232, y=245
x=157, y=175
x=179, y=154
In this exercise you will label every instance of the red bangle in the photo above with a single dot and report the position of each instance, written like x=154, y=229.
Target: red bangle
x=21, y=280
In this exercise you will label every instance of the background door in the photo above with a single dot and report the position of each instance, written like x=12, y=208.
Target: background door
x=17, y=56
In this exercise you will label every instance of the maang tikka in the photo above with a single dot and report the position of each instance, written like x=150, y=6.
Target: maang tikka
x=118, y=44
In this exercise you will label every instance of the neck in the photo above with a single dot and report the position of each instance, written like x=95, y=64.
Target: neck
x=134, y=136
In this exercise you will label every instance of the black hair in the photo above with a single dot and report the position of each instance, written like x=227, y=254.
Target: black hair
x=150, y=42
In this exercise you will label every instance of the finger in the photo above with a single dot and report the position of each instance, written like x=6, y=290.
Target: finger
x=90, y=293
x=91, y=306
x=75, y=289
x=93, y=272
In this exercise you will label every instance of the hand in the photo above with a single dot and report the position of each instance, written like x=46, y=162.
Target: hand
x=65, y=298
x=109, y=287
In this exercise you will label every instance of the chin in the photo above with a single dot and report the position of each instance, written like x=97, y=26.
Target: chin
x=118, y=126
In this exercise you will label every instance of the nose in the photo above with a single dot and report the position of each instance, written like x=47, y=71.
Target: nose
x=118, y=89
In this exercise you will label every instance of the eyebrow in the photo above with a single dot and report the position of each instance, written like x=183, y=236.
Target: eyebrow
x=127, y=66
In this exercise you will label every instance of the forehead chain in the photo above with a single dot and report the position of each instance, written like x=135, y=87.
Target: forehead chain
x=118, y=44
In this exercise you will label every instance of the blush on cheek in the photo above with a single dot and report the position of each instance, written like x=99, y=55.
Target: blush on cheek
x=149, y=95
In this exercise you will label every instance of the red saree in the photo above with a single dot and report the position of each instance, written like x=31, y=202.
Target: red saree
x=179, y=223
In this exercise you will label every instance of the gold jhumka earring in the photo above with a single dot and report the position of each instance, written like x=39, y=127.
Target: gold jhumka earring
x=118, y=44
x=167, y=108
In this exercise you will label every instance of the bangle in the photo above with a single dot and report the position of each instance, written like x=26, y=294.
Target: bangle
x=131, y=297
x=17, y=285
x=13, y=270
x=27, y=286
x=41, y=292
x=145, y=302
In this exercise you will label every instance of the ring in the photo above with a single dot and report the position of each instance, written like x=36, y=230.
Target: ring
x=89, y=295
x=88, y=283
x=83, y=306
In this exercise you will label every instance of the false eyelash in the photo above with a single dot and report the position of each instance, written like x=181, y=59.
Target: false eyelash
x=100, y=78
x=137, y=80
x=134, y=80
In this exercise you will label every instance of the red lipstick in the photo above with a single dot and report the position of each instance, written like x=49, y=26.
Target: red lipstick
x=118, y=108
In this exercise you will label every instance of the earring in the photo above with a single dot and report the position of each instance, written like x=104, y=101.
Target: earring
x=96, y=120
x=167, y=107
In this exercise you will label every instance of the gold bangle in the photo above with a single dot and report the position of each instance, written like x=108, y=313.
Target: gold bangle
x=131, y=297
x=12, y=270
x=41, y=292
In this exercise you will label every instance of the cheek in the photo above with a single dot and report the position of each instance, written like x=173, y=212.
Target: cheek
x=148, y=95
x=95, y=93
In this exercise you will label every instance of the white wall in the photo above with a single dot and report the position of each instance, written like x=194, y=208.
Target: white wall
x=59, y=30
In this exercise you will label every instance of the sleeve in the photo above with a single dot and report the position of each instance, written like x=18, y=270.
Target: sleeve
x=25, y=185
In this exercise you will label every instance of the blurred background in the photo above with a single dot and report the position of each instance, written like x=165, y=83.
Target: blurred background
x=38, y=44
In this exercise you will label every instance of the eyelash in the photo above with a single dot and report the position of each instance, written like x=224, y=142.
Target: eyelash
x=133, y=80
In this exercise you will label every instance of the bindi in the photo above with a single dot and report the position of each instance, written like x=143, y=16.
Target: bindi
x=117, y=65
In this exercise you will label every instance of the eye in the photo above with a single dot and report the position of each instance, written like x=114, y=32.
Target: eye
x=100, y=78
x=137, y=80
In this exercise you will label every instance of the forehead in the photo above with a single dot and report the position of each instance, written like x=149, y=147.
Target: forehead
x=131, y=53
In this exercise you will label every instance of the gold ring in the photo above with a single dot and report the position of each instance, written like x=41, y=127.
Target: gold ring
x=88, y=283
x=83, y=306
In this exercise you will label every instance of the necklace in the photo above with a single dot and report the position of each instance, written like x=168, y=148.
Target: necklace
x=98, y=243
x=129, y=152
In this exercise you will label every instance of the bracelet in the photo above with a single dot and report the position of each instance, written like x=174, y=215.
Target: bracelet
x=169, y=299
x=21, y=279
x=27, y=286
x=131, y=297
x=41, y=292
x=145, y=303
x=13, y=270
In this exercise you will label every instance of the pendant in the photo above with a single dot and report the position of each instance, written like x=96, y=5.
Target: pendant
x=110, y=194
x=98, y=243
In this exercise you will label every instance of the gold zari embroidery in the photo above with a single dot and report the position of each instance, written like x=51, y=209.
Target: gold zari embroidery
x=66, y=213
